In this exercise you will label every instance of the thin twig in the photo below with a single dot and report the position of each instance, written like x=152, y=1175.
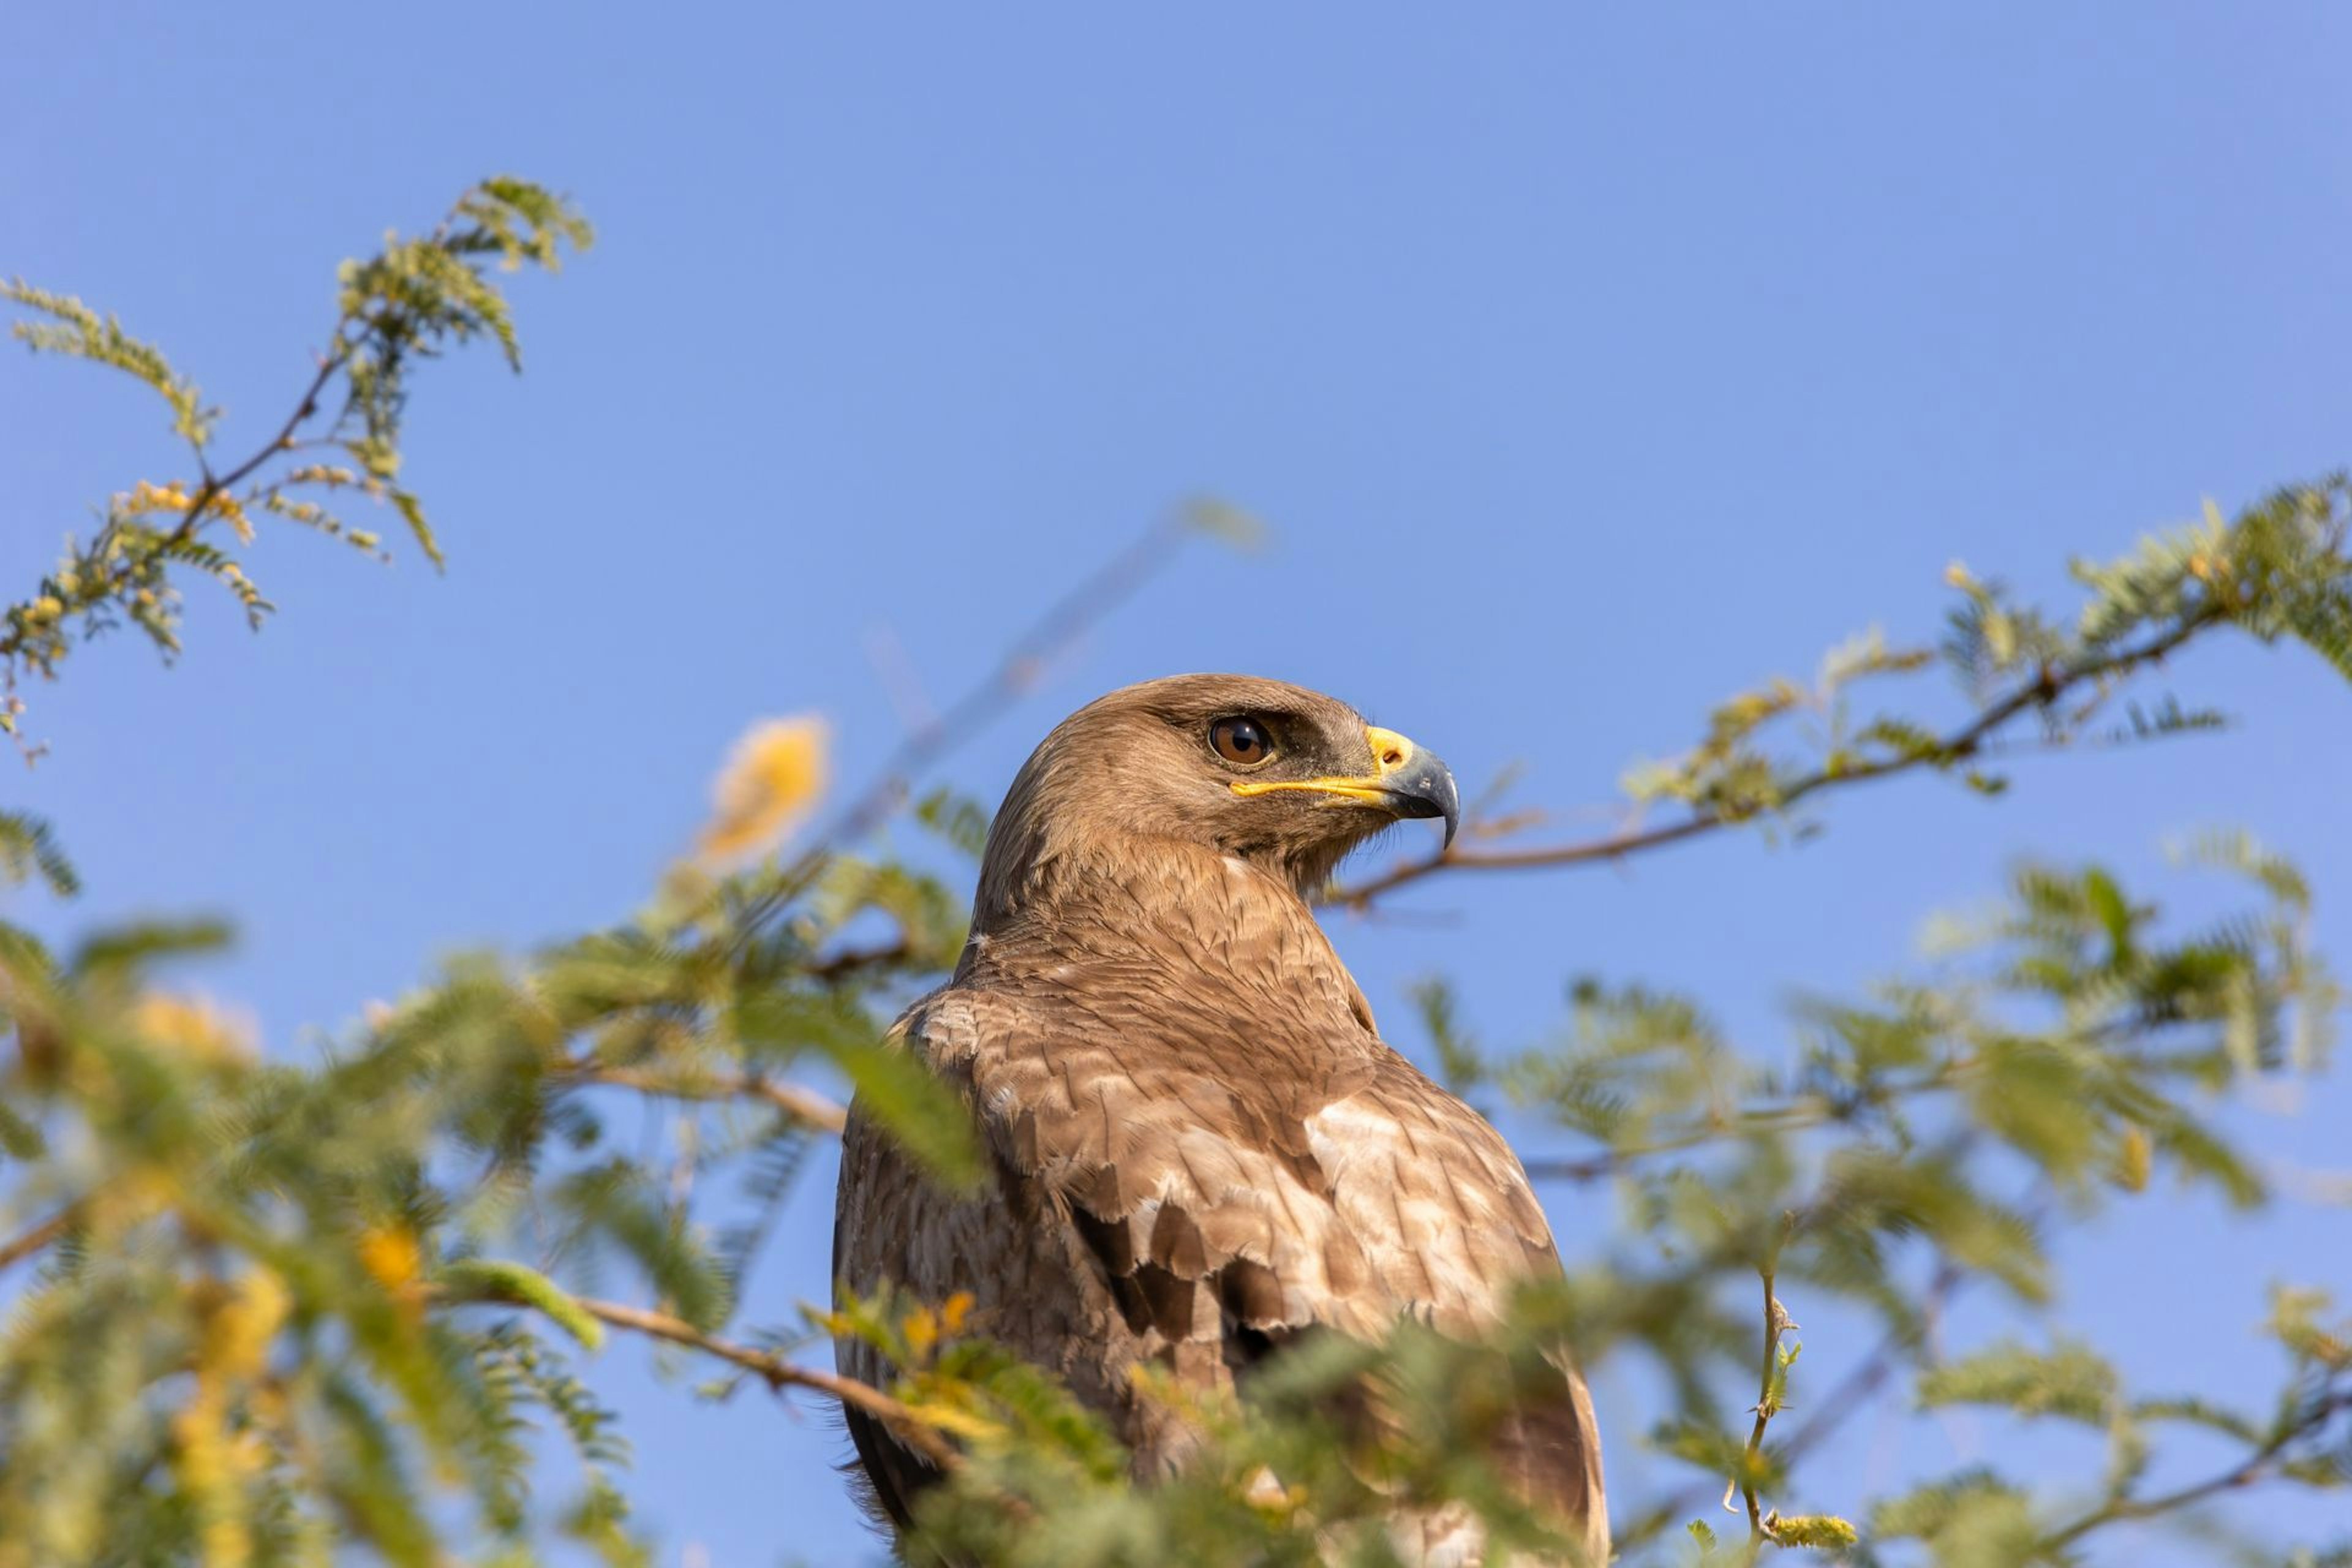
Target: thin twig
x=1853, y=1391
x=1747, y=1124
x=32, y=1241
x=852, y=961
x=214, y=486
x=805, y=1106
x=1768, y=1404
x=1015, y=673
x=1792, y=1115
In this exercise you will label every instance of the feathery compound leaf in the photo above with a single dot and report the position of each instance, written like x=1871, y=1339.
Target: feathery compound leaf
x=516, y=1284
x=1976, y=1506
x=2073, y=1381
x=28, y=848
x=75, y=329
x=919, y=1112
x=412, y=512
x=1458, y=1057
x=958, y=818
x=617, y=1205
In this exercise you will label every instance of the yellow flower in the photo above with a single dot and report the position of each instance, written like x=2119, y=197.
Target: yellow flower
x=390, y=1255
x=775, y=773
x=922, y=1333
x=149, y=496
x=215, y=1461
x=195, y=1025
x=241, y=1332
x=2133, y=1159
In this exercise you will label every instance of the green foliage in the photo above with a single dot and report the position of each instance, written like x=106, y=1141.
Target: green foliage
x=2073, y=1382
x=273, y=1310
x=28, y=849
x=408, y=302
x=517, y=1284
x=958, y=818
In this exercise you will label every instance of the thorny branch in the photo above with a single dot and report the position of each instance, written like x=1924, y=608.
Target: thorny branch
x=1847, y=1397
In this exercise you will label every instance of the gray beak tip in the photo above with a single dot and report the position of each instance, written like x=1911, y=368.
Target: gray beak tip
x=1425, y=787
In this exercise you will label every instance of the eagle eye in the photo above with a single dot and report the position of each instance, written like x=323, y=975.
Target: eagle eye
x=1241, y=741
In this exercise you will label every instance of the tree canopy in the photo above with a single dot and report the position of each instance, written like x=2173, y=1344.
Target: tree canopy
x=270, y=1305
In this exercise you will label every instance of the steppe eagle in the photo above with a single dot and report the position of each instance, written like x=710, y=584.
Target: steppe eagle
x=1202, y=1146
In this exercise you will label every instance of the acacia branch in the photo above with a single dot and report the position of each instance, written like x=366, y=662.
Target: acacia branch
x=213, y=486
x=1966, y=742
x=780, y=1373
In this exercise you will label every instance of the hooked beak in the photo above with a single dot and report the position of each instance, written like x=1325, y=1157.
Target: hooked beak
x=1405, y=780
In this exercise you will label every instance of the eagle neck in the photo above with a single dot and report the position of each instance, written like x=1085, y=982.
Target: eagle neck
x=1153, y=909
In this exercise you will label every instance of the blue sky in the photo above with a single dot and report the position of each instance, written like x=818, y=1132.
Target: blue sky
x=1589, y=366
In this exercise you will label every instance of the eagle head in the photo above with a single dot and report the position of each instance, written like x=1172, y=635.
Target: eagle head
x=1281, y=778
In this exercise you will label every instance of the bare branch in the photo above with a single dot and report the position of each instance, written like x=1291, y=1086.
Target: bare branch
x=1016, y=672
